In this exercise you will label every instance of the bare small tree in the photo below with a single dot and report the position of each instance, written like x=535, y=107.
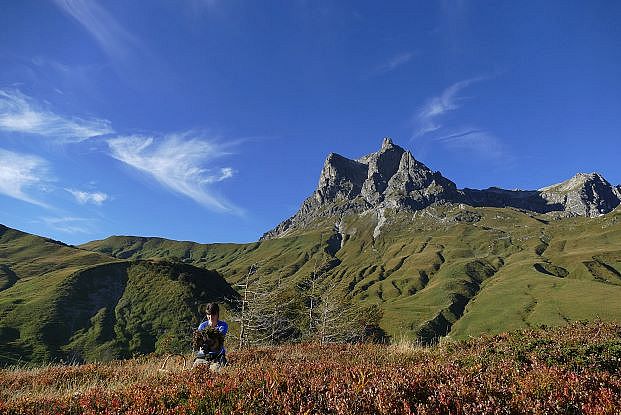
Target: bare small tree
x=243, y=319
x=313, y=283
x=340, y=319
x=267, y=313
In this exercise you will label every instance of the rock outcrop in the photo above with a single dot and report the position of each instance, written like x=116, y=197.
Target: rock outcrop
x=584, y=194
x=393, y=178
x=389, y=178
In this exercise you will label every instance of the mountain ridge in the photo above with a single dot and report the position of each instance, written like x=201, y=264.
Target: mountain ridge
x=393, y=178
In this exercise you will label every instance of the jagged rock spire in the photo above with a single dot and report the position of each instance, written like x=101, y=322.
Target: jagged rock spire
x=387, y=143
x=393, y=178
x=390, y=177
x=390, y=174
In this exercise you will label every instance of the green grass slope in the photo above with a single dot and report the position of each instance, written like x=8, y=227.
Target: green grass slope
x=568, y=271
x=106, y=311
x=61, y=302
x=24, y=256
x=446, y=270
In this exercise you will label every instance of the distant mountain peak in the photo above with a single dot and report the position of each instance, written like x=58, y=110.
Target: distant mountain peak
x=390, y=175
x=392, y=178
x=585, y=194
x=577, y=181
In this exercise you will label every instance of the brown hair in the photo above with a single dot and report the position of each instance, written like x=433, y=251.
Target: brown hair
x=212, y=308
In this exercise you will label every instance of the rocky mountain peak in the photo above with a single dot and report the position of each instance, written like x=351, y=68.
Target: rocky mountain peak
x=393, y=178
x=390, y=177
x=585, y=194
x=381, y=167
x=577, y=182
x=387, y=142
x=341, y=178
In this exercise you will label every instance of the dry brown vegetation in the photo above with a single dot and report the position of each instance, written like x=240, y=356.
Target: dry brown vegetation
x=574, y=370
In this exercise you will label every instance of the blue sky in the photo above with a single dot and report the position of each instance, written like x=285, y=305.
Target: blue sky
x=209, y=120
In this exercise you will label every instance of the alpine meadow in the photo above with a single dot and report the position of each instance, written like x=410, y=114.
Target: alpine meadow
x=294, y=207
x=396, y=256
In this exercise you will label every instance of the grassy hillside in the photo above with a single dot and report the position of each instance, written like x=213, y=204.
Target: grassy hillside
x=106, y=311
x=447, y=270
x=61, y=302
x=24, y=256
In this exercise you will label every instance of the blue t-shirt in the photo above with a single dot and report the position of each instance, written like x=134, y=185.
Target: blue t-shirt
x=221, y=326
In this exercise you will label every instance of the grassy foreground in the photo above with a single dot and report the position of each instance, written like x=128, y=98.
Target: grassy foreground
x=570, y=370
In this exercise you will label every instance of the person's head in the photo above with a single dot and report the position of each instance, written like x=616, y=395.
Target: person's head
x=212, y=311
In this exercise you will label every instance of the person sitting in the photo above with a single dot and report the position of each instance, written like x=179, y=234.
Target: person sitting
x=217, y=352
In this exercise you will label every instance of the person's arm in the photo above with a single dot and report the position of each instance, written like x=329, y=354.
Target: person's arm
x=202, y=325
x=223, y=327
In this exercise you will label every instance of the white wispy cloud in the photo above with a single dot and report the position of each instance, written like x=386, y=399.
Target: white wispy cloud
x=113, y=38
x=20, y=173
x=22, y=114
x=128, y=55
x=225, y=173
x=427, y=118
x=464, y=138
x=395, y=62
x=479, y=142
x=82, y=197
x=69, y=224
x=178, y=162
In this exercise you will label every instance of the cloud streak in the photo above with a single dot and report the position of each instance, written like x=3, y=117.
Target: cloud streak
x=20, y=113
x=71, y=225
x=115, y=41
x=178, y=162
x=395, y=62
x=20, y=172
x=476, y=141
x=96, y=198
x=479, y=142
x=427, y=118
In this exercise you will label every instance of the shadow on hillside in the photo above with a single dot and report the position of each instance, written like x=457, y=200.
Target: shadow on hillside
x=123, y=309
x=8, y=278
x=501, y=198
